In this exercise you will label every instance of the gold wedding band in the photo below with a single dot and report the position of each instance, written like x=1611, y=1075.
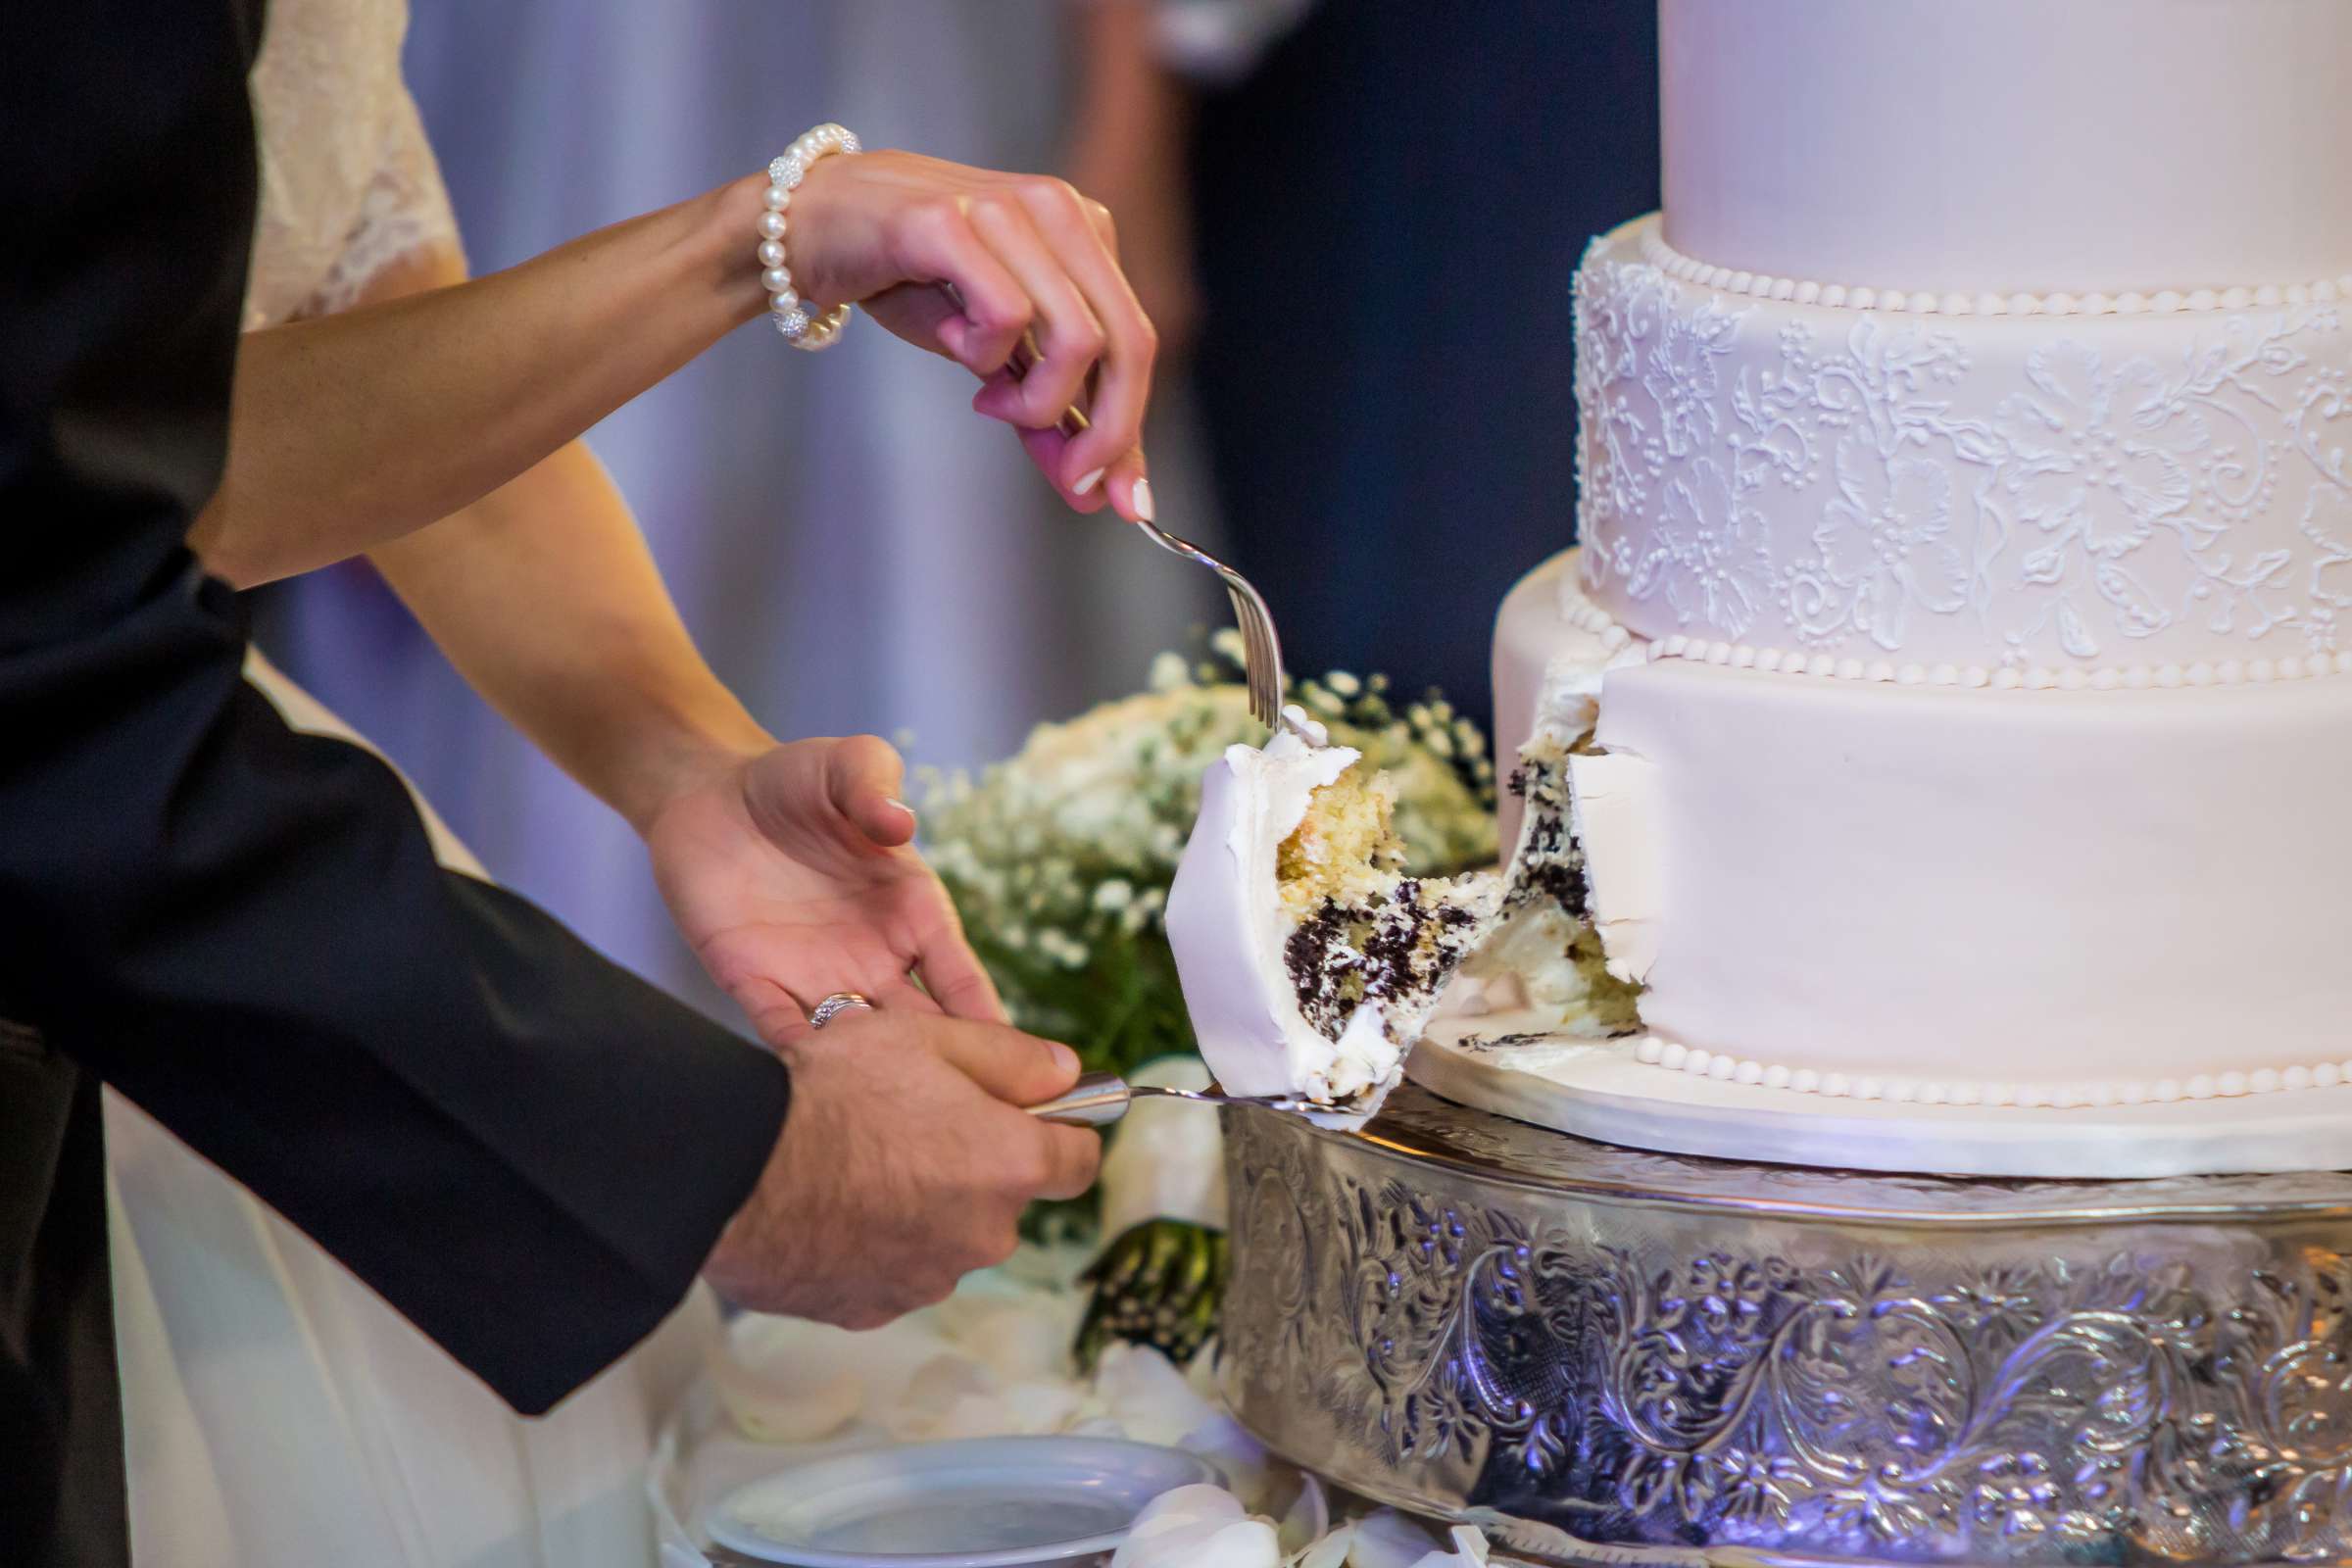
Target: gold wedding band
x=834, y=1005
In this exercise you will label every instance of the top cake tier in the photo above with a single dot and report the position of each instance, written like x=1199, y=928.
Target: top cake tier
x=2010, y=145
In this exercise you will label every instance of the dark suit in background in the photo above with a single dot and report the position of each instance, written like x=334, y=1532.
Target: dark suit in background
x=526, y=1151
x=1390, y=210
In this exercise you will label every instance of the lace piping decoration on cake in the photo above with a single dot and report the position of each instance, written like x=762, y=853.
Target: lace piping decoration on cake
x=1724, y=1068
x=1920, y=302
x=1858, y=488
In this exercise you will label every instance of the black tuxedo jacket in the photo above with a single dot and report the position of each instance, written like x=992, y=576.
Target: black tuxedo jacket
x=527, y=1152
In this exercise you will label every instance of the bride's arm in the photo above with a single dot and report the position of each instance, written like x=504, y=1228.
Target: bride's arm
x=789, y=868
x=354, y=430
x=545, y=598
x=543, y=595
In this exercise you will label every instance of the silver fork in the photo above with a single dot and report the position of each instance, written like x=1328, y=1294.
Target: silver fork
x=1262, y=650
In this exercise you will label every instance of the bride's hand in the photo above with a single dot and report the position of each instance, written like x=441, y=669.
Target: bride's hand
x=1023, y=252
x=792, y=874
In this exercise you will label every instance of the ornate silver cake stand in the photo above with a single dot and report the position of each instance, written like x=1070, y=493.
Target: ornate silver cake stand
x=1611, y=1356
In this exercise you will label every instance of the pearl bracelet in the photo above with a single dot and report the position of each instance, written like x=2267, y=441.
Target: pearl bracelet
x=801, y=328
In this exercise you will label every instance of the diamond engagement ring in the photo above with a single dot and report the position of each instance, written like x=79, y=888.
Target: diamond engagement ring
x=834, y=1005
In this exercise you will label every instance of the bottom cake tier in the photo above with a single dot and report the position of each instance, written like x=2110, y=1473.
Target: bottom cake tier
x=1847, y=883
x=1613, y=1356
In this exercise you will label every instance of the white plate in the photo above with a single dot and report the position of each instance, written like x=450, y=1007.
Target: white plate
x=978, y=1502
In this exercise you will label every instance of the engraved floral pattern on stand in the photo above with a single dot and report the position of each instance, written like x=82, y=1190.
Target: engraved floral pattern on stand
x=2105, y=1401
x=2099, y=503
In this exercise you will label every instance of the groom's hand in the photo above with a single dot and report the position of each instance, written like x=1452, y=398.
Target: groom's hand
x=904, y=1165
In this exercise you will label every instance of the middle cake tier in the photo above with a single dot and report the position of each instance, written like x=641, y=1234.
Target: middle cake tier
x=1964, y=484
x=1985, y=896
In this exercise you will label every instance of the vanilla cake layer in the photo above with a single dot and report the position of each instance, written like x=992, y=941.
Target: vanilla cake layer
x=1977, y=894
x=2111, y=485
x=2007, y=145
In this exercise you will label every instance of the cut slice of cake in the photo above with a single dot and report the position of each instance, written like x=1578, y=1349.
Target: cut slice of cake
x=1545, y=952
x=1310, y=959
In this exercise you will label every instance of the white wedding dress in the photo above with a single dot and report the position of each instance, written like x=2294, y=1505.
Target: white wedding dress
x=277, y=1414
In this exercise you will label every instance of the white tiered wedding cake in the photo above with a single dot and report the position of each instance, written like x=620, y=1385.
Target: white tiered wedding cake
x=1954, y=683
x=1934, y=757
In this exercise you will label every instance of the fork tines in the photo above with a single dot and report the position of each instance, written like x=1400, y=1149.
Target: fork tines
x=1261, y=653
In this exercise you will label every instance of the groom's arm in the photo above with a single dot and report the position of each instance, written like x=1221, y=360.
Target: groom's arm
x=524, y=1149
x=528, y=1151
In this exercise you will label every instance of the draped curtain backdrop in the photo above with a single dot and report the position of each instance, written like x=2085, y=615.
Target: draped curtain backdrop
x=854, y=549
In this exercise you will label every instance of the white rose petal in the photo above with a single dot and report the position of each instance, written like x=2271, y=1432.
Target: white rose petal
x=1308, y=1518
x=783, y=1380
x=1168, y=1161
x=1384, y=1538
x=1239, y=1457
x=1023, y=1337
x=1149, y=1398
x=1198, y=1526
x=1241, y=1543
x=1329, y=1552
x=936, y=1393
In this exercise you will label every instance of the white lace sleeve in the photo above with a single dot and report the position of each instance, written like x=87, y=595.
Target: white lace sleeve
x=404, y=213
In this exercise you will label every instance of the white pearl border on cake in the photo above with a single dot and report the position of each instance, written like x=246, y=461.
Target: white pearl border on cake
x=1586, y=617
x=1921, y=301
x=1672, y=1057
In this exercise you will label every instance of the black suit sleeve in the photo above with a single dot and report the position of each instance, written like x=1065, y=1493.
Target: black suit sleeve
x=526, y=1151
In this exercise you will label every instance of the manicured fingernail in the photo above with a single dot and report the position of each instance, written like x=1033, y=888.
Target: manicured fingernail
x=1087, y=482
x=1063, y=1056
x=1141, y=499
x=900, y=806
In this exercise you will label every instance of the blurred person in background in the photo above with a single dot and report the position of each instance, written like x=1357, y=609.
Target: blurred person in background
x=405, y=1097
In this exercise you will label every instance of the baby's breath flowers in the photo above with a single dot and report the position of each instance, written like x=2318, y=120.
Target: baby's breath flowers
x=1059, y=859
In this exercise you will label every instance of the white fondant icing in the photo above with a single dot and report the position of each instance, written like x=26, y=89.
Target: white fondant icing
x=2159, y=147
x=1938, y=884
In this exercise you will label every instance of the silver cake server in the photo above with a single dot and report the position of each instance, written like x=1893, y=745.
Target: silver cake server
x=1101, y=1097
